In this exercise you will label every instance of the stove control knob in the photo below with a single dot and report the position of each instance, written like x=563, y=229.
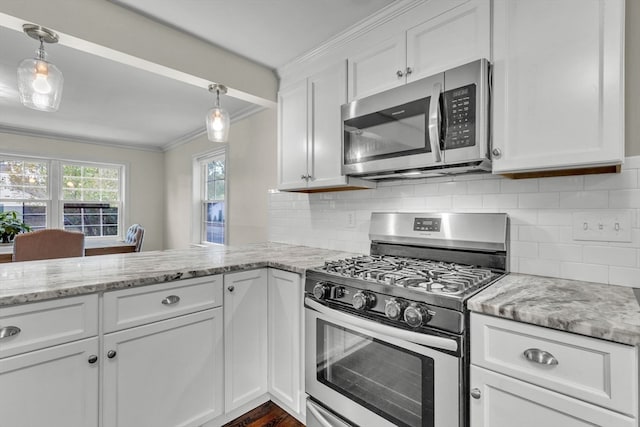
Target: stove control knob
x=321, y=291
x=416, y=315
x=363, y=300
x=394, y=308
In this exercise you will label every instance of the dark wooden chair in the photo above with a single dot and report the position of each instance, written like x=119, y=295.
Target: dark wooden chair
x=48, y=244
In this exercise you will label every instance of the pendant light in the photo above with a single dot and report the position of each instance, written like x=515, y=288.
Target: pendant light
x=39, y=81
x=217, y=118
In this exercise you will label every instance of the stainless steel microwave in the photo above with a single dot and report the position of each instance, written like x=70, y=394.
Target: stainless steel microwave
x=437, y=125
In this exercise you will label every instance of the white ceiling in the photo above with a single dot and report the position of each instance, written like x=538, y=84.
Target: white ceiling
x=270, y=32
x=110, y=102
x=106, y=101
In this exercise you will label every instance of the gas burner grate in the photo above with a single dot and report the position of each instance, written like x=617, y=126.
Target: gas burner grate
x=418, y=274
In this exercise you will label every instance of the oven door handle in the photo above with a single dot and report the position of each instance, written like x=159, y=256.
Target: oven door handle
x=318, y=416
x=401, y=334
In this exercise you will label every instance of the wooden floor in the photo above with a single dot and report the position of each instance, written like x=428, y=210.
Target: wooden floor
x=267, y=415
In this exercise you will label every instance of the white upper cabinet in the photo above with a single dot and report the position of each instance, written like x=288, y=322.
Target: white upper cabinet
x=310, y=132
x=453, y=33
x=558, y=100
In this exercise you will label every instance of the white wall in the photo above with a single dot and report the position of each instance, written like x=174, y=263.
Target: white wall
x=145, y=176
x=251, y=171
x=541, y=213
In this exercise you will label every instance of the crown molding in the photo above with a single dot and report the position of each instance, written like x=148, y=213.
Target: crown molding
x=70, y=138
x=235, y=117
x=384, y=15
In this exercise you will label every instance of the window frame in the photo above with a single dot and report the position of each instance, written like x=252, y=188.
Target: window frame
x=55, y=203
x=200, y=197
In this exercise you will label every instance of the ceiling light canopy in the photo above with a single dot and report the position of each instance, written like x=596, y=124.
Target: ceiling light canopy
x=39, y=81
x=217, y=118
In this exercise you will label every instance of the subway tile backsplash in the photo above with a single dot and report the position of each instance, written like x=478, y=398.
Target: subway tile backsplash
x=540, y=211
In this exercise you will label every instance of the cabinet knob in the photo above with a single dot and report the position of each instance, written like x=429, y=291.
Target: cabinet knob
x=92, y=359
x=476, y=393
x=409, y=70
x=399, y=73
x=496, y=153
x=9, y=331
x=111, y=354
x=231, y=288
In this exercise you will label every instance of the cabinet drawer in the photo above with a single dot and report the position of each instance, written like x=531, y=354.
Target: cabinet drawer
x=43, y=324
x=502, y=401
x=133, y=307
x=593, y=370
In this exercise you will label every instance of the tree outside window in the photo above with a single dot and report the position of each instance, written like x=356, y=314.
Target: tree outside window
x=85, y=197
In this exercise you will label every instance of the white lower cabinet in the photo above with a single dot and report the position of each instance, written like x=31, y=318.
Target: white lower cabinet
x=53, y=387
x=167, y=373
x=508, y=402
x=245, y=337
x=286, y=379
x=525, y=375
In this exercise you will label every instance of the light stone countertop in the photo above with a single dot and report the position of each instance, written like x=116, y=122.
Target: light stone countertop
x=597, y=310
x=22, y=282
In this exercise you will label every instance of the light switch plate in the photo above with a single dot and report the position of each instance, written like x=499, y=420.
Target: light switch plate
x=602, y=226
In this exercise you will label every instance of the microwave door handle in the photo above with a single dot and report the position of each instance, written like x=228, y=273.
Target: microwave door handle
x=378, y=328
x=434, y=122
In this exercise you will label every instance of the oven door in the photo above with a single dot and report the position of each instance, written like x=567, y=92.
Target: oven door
x=376, y=375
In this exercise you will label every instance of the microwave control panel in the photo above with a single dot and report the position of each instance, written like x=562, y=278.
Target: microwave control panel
x=460, y=112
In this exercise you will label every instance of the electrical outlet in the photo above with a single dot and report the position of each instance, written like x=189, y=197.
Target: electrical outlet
x=351, y=219
x=603, y=226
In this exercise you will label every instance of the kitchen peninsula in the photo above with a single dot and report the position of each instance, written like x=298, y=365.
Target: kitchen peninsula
x=253, y=280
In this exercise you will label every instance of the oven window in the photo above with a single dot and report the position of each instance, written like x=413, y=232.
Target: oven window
x=393, y=382
x=398, y=131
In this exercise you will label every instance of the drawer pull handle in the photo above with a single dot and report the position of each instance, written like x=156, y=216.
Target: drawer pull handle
x=111, y=354
x=9, y=331
x=540, y=356
x=231, y=288
x=476, y=393
x=171, y=299
x=92, y=359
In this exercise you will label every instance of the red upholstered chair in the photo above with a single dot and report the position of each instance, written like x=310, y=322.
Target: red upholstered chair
x=48, y=244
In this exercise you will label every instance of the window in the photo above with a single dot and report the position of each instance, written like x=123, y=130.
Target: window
x=24, y=188
x=51, y=193
x=91, y=199
x=213, y=206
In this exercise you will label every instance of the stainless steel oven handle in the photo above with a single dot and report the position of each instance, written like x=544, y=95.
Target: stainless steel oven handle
x=401, y=334
x=434, y=122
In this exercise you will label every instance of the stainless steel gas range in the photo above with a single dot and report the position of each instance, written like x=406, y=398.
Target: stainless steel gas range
x=386, y=334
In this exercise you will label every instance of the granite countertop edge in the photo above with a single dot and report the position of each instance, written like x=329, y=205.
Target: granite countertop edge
x=596, y=310
x=35, y=281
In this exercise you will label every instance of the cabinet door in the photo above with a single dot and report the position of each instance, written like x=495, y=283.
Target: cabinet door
x=507, y=402
x=164, y=374
x=454, y=38
x=327, y=92
x=378, y=68
x=292, y=136
x=245, y=339
x=54, y=387
x=285, y=339
x=557, y=84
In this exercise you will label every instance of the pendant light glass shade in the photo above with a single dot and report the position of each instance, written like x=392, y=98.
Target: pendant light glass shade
x=39, y=81
x=217, y=119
